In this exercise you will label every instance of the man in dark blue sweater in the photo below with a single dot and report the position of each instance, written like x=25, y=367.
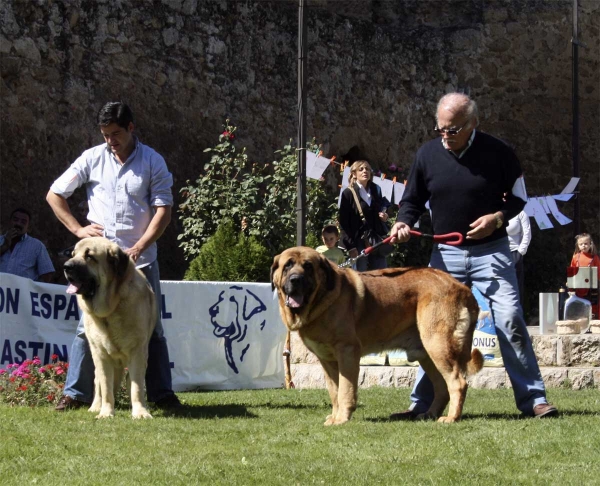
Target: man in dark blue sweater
x=474, y=185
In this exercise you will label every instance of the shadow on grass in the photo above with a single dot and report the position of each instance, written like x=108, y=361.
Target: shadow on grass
x=294, y=406
x=231, y=410
x=465, y=417
x=205, y=412
x=492, y=416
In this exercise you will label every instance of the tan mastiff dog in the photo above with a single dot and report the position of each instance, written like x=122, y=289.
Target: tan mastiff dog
x=342, y=315
x=119, y=314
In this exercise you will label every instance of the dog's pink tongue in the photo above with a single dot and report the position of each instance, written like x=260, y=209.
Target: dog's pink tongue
x=295, y=301
x=72, y=289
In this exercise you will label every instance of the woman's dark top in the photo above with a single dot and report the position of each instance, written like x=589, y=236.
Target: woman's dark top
x=350, y=220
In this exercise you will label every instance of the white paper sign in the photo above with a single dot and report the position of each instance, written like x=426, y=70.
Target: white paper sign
x=544, y=204
x=570, y=187
x=560, y=217
x=519, y=189
x=398, y=192
x=315, y=166
x=345, y=177
x=562, y=197
x=534, y=209
x=387, y=187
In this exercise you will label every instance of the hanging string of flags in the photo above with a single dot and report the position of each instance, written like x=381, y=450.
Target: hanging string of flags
x=538, y=207
x=316, y=165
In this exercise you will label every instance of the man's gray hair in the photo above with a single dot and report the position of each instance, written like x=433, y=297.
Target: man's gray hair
x=461, y=103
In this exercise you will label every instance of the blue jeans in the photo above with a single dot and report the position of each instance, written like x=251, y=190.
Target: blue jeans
x=80, y=377
x=489, y=267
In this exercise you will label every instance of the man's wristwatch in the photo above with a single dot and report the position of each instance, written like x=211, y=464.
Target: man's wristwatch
x=499, y=221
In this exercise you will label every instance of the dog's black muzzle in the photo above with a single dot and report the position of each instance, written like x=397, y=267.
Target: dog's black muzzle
x=79, y=278
x=297, y=288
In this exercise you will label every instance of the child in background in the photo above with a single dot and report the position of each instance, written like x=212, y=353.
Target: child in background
x=330, y=236
x=585, y=255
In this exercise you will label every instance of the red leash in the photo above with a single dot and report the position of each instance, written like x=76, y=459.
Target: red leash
x=452, y=239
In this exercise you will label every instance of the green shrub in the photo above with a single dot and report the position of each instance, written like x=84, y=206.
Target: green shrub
x=264, y=195
x=231, y=256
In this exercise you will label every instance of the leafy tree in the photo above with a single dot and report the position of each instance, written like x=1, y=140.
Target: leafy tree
x=228, y=188
x=261, y=198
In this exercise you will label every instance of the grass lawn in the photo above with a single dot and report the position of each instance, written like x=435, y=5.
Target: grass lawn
x=277, y=437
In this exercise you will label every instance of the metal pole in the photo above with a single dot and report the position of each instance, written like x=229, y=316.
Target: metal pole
x=301, y=182
x=575, y=135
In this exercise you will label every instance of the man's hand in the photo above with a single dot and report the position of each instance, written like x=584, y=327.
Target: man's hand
x=10, y=234
x=134, y=252
x=400, y=233
x=482, y=227
x=91, y=231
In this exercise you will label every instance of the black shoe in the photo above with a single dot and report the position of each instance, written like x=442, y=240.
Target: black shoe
x=170, y=402
x=68, y=403
x=406, y=415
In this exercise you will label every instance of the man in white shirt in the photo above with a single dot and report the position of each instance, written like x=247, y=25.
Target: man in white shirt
x=129, y=196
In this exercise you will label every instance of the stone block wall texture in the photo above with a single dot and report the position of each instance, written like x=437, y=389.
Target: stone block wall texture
x=565, y=361
x=375, y=71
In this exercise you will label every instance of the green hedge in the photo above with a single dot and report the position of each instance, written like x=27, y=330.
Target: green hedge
x=231, y=256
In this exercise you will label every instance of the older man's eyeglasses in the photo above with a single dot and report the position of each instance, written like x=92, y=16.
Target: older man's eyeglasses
x=450, y=131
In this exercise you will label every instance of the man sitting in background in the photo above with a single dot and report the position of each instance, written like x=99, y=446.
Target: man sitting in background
x=21, y=254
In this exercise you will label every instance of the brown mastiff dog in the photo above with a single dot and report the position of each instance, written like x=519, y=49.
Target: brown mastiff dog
x=342, y=315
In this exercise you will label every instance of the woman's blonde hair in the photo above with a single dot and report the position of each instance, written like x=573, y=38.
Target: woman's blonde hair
x=354, y=168
x=592, y=245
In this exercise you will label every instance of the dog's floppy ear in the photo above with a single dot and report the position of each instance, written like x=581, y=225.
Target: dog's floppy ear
x=118, y=259
x=326, y=265
x=273, y=268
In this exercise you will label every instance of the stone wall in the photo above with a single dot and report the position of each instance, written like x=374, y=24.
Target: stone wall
x=375, y=71
x=565, y=361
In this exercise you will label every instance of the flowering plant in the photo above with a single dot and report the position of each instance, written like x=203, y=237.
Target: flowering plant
x=31, y=383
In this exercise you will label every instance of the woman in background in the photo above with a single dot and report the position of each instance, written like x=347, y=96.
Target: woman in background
x=363, y=196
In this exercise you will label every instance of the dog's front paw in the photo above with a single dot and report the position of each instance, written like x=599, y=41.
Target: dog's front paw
x=331, y=420
x=142, y=413
x=104, y=415
x=95, y=408
x=446, y=420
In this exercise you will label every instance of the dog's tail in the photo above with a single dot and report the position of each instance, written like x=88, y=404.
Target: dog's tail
x=475, y=364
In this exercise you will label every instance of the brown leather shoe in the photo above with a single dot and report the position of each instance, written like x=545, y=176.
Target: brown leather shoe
x=406, y=415
x=545, y=410
x=68, y=403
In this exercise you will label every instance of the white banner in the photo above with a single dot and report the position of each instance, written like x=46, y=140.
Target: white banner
x=220, y=335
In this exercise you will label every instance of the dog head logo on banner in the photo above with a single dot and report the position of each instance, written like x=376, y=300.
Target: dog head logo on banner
x=231, y=317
